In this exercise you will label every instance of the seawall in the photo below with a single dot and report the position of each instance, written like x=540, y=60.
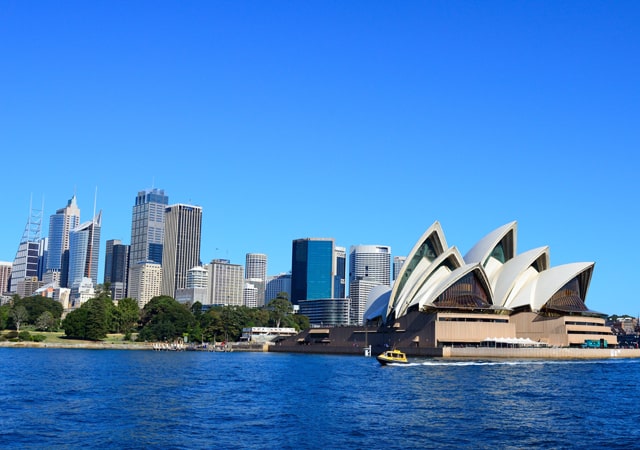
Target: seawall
x=80, y=345
x=540, y=353
x=444, y=352
x=471, y=352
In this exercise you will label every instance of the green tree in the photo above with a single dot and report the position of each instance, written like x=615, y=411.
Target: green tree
x=91, y=321
x=211, y=325
x=4, y=316
x=260, y=317
x=96, y=326
x=299, y=321
x=196, y=309
x=19, y=315
x=280, y=308
x=46, y=322
x=36, y=305
x=233, y=320
x=103, y=290
x=127, y=315
x=75, y=322
x=195, y=333
x=163, y=318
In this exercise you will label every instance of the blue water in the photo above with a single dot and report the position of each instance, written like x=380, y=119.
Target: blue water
x=118, y=399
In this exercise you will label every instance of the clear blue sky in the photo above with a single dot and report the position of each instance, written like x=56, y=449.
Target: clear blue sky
x=365, y=121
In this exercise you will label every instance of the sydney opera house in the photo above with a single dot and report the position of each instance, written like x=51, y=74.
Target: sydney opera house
x=490, y=296
x=493, y=291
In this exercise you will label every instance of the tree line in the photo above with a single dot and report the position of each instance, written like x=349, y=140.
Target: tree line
x=162, y=319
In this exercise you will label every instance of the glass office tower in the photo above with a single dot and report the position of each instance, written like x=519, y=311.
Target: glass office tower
x=147, y=226
x=312, y=269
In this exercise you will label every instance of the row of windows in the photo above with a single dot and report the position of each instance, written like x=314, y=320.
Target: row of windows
x=603, y=333
x=471, y=319
x=592, y=324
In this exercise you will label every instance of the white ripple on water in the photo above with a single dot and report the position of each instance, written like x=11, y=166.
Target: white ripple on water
x=459, y=363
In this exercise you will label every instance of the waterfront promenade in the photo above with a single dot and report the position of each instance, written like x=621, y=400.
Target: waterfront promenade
x=444, y=352
x=469, y=352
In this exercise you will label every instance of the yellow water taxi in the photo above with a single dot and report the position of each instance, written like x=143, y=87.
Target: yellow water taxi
x=392, y=357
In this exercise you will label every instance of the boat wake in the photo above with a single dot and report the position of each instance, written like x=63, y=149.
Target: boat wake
x=498, y=363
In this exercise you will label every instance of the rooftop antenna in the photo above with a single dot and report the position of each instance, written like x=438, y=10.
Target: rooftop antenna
x=34, y=223
x=95, y=200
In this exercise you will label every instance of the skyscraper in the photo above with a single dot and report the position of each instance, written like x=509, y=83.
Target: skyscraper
x=116, y=268
x=340, y=271
x=60, y=224
x=277, y=284
x=5, y=276
x=256, y=274
x=372, y=262
x=312, y=269
x=43, y=252
x=369, y=266
x=226, y=283
x=84, y=251
x=256, y=266
x=147, y=226
x=25, y=264
x=181, y=248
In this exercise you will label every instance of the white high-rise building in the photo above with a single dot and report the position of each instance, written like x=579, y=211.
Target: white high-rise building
x=250, y=295
x=5, y=276
x=372, y=262
x=358, y=293
x=198, y=277
x=145, y=281
x=256, y=266
x=369, y=266
x=82, y=291
x=226, y=283
x=197, y=289
x=255, y=273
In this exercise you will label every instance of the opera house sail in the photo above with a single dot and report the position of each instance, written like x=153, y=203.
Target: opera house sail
x=441, y=298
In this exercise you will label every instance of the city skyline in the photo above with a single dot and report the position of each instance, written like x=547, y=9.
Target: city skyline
x=362, y=122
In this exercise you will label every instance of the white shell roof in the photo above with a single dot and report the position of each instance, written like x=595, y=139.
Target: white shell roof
x=539, y=291
x=436, y=230
x=506, y=279
x=417, y=286
x=481, y=251
x=512, y=284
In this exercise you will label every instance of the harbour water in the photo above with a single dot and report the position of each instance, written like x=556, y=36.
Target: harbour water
x=62, y=398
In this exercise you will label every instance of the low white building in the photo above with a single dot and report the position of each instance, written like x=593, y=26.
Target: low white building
x=265, y=334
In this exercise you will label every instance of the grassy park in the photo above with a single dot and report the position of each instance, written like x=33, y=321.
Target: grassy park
x=58, y=339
